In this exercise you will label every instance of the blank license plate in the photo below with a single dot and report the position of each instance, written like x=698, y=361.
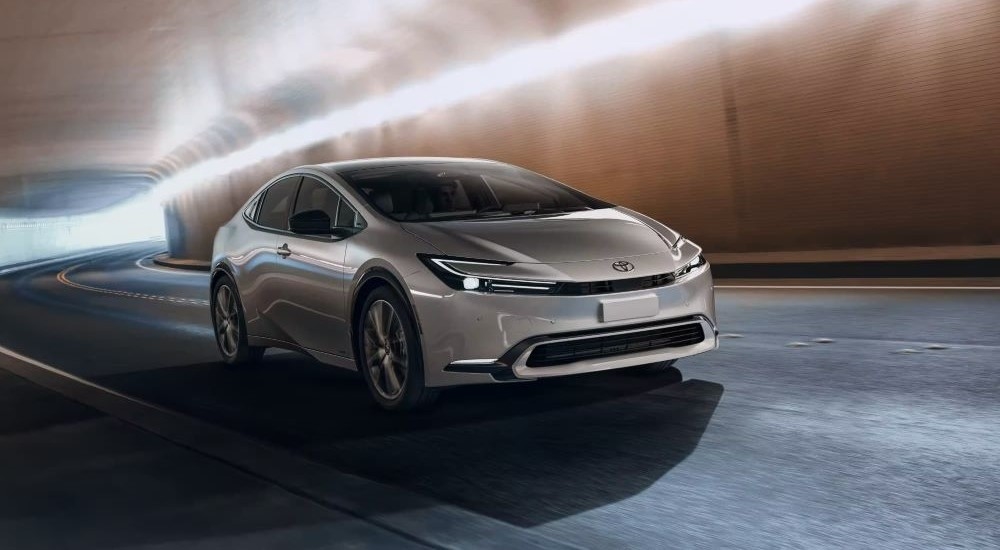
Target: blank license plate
x=629, y=308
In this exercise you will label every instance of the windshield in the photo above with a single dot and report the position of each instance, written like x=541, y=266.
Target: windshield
x=457, y=190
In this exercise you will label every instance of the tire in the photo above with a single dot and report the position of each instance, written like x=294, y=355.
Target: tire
x=663, y=368
x=230, y=326
x=389, y=353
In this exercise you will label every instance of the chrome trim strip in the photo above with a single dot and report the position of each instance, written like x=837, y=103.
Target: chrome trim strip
x=505, y=285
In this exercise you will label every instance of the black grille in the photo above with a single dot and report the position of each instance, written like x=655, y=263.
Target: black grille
x=560, y=353
x=617, y=285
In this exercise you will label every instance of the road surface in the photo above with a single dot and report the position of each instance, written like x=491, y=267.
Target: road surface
x=881, y=434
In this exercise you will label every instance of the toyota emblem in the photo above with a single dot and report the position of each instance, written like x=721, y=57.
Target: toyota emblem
x=623, y=266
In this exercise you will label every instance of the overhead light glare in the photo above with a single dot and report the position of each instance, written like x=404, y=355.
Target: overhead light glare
x=636, y=31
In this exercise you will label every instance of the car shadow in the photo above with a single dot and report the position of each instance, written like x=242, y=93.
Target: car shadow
x=524, y=453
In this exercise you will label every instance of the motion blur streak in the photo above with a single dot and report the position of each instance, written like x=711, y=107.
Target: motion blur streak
x=314, y=48
x=634, y=32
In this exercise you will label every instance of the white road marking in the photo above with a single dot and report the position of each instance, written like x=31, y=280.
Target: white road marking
x=63, y=278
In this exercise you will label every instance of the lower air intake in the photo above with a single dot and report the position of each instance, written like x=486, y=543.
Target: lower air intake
x=561, y=353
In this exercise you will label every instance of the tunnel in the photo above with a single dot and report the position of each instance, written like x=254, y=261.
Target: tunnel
x=499, y=274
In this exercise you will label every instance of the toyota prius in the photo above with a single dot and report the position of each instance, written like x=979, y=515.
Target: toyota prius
x=424, y=273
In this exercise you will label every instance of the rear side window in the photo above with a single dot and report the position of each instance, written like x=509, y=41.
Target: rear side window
x=251, y=210
x=277, y=203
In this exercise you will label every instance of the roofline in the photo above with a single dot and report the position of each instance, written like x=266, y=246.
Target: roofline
x=387, y=162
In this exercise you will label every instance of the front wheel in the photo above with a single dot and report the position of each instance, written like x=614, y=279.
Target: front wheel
x=230, y=325
x=389, y=353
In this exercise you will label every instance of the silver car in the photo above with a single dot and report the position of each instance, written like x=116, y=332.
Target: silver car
x=424, y=273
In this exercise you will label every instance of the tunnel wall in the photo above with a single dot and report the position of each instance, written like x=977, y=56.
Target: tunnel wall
x=28, y=239
x=858, y=124
x=23, y=240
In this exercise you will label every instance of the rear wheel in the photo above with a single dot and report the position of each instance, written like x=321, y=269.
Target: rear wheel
x=230, y=325
x=390, y=357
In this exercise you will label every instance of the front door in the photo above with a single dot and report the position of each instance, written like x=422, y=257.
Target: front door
x=261, y=288
x=311, y=309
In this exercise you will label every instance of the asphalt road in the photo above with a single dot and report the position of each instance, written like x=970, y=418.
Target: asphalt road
x=74, y=478
x=870, y=440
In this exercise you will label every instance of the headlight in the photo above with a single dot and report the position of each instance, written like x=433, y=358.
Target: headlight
x=690, y=266
x=451, y=273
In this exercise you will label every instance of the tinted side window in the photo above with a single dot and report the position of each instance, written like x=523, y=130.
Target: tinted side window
x=277, y=202
x=347, y=217
x=251, y=210
x=315, y=195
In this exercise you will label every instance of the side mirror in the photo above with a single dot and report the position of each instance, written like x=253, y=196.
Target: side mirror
x=311, y=222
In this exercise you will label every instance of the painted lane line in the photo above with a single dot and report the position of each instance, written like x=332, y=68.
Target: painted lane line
x=63, y=278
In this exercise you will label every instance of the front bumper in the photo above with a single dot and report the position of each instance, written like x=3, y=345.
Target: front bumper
x=472, y=338
x=517, y=362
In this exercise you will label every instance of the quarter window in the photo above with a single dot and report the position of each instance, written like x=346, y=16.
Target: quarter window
x=347, y=217
x=251, y=210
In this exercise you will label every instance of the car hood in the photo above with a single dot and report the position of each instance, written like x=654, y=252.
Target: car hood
x=572, y=237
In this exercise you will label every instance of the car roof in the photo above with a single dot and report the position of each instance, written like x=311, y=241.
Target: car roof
x=385, y=162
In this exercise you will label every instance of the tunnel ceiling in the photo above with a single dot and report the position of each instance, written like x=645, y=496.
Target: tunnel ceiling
x=101, y=98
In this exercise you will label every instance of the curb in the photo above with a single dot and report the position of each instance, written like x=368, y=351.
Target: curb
x=165, y=260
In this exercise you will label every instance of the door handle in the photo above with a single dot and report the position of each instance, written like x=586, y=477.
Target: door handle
x=283, y=251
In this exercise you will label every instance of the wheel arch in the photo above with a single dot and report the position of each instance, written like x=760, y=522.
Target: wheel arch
x=372, y=278
x=222, y=269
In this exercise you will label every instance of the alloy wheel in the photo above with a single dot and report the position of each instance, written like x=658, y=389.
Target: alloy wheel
x=386, y=355
x=227, y=321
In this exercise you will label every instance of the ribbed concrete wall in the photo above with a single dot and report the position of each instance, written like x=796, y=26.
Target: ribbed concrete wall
x=862, y=123
x=27, y=239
